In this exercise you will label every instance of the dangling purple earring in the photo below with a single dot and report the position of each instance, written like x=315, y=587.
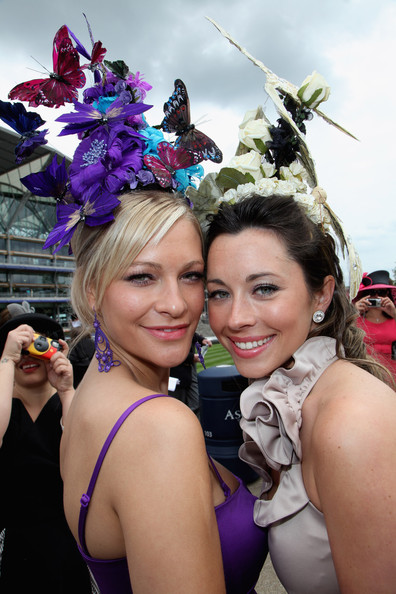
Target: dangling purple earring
x=104, y=354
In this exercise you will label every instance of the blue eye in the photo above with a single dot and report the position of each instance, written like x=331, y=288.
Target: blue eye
x=218, y=294
x=265, y=290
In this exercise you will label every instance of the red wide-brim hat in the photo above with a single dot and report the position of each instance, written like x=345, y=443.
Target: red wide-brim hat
x=379, y=279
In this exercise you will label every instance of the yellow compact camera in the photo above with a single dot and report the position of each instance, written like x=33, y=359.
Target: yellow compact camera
x=42, y=347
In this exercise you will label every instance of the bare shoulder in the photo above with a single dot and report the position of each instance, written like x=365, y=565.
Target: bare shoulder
x=355, y=414
x=161, y=426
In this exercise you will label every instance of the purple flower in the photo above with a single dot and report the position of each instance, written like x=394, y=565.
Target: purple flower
x=107, y=157
x=27, y=145
x=143, y=177
x=139, y=85
x=96, y=209
x=93, y=93
x=50, y=182
x=87, y=117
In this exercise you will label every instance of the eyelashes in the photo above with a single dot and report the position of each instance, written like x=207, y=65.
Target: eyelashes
x=144, y=278
x=261, y=290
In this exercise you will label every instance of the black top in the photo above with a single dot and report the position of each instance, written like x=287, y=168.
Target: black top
x=183, y=372
x=40, y=552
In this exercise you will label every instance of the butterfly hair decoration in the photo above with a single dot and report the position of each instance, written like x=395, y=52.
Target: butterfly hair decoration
x=118, y=150
x=62, y=84
x=177, y=121
x=95, y=57
x=168, y=161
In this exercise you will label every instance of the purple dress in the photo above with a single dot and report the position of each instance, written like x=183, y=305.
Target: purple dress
x=243, y=543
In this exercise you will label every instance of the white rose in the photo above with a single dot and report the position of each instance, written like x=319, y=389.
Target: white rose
x=251, y=114
x=229, y=196
x=294, y=174
x=254, y=130
x=315, y=211
x=298, y=170
x=266, y=186
x=248, y=163
x=268, y=169
x=285, y=173
x=285, y=188
x=245, y=191
x=314, y=90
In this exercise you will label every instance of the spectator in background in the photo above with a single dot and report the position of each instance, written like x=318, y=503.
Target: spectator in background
x=186, y=389
x=375, y=303
x=82, y=349
x=38, y=552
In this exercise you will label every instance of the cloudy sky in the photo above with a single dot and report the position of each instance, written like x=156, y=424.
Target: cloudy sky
x=352, y=43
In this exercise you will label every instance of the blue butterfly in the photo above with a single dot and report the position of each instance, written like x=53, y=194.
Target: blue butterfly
x=24, y=123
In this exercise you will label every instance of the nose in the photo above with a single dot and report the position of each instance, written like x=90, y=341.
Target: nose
x=241, y=314
x=171, y=300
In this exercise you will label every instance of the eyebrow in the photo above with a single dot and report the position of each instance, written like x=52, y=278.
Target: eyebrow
x=159, y=266
x=249, y=279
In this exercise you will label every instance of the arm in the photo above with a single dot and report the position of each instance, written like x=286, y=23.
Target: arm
x=362, y=305
x=388, y=307
x=354, y=459
x=60, y=376
x=17, y=339
x=165, y=504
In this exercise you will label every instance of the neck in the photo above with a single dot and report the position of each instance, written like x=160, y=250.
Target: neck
x=34, y=398
x=375, y=315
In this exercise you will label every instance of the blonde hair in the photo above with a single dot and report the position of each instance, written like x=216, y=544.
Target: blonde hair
x=104, y=253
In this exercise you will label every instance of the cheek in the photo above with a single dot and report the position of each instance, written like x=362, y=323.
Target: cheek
x=196, y=301
x=218, y=316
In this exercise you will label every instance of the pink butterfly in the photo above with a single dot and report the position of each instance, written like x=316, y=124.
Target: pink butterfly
x=62, y=84
x=97, y=55
x=169, y=160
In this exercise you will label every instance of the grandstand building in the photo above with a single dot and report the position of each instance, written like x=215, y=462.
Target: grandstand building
x=27, y=272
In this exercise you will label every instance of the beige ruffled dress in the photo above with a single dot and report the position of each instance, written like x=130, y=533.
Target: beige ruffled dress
x=271, y=411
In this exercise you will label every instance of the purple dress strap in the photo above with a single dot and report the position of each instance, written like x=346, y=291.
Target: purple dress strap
x=86, y=497
x=224, y=486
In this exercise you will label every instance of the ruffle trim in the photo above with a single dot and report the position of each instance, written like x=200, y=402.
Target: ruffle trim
x=271, y=422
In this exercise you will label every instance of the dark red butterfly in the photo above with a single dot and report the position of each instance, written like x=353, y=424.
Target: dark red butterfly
x=97, y=54
x=169, y=160
x=177, y=120
x=63, y=82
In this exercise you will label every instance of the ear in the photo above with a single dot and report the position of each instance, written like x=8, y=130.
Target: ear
x=91, y=297
x=323, y=297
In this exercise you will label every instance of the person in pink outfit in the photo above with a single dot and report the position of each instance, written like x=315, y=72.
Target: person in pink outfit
x=375, y=303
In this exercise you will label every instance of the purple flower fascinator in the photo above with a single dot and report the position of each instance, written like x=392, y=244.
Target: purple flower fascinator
x=118, y=150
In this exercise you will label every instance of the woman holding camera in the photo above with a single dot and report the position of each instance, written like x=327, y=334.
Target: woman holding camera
x=38, y=550
x=375, y=303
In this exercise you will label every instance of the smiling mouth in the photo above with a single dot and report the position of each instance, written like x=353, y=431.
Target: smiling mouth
x=247, y=346
x=29, y=366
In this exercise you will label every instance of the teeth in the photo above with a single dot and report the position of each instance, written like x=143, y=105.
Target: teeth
x=246, y=346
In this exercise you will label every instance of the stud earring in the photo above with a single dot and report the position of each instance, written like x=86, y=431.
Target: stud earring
x=103, y=353
x=318, y=316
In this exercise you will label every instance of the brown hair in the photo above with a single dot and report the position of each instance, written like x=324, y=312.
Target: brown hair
x=315, y=252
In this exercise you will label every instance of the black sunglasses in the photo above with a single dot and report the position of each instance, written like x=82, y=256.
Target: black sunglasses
x=378, y=292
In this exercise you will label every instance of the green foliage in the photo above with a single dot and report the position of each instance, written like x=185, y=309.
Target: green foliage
x=118, y=67
x=229, y=177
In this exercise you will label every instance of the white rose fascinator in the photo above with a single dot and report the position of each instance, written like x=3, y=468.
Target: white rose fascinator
x=275, y=159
